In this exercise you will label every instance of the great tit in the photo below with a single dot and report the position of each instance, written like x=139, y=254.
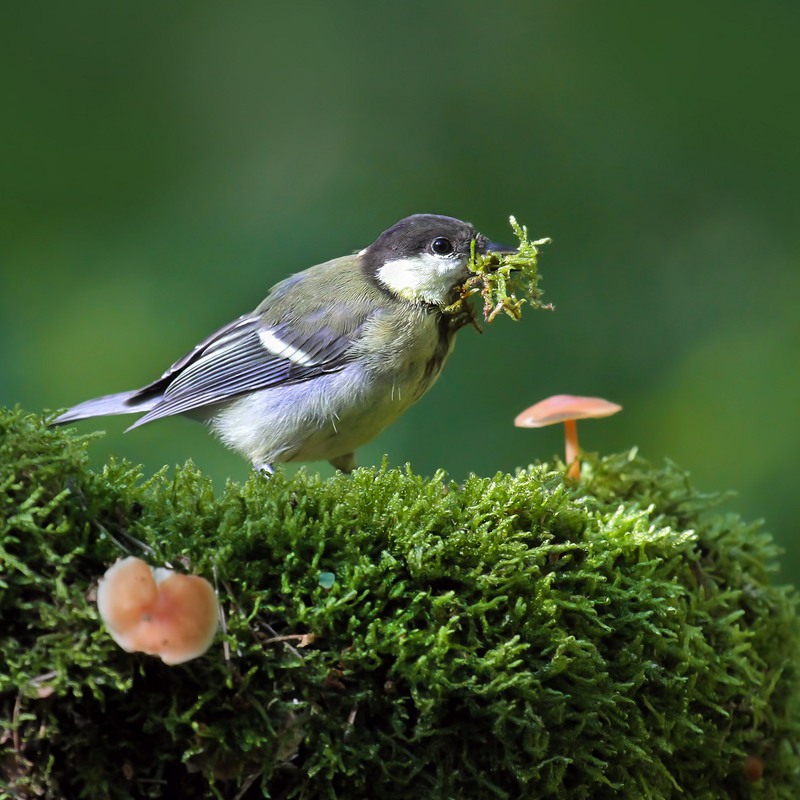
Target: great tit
x=332, y=356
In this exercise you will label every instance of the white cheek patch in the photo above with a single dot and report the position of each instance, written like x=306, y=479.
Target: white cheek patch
x=425, y=277
x=281, y=349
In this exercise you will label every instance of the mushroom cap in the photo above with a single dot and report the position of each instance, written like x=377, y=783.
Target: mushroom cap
x=564, y=407
x=159, y=612
x=125, y=589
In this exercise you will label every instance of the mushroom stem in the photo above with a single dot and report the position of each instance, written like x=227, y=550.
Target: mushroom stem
x=571, y=448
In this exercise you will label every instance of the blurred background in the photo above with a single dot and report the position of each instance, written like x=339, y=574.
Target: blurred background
x=164, y=164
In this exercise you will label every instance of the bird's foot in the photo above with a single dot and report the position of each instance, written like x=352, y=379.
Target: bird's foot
x=345, y=463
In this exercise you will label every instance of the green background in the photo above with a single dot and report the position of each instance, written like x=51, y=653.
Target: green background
x=163, y=164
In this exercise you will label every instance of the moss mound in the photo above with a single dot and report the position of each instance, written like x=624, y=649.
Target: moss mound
x=503, y=638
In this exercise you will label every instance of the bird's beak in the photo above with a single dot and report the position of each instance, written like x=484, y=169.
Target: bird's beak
x=496, y=247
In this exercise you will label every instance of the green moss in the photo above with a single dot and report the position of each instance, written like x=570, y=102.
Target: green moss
x=507, y=637
x=500, y=277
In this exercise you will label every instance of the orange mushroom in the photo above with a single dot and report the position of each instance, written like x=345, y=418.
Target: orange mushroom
x=158, y=611
x=566, y=408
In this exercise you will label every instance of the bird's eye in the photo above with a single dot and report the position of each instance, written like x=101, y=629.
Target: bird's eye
x=441, y=246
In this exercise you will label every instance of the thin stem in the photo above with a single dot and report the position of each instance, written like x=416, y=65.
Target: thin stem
x=571, y=442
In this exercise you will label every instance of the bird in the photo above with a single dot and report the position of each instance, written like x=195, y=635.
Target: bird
x=329, y=359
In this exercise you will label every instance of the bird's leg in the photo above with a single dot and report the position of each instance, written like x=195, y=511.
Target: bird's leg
x=345, y=463
x=267, y=470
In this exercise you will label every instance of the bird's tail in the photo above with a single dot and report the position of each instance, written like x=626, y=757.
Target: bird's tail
x=120, y=403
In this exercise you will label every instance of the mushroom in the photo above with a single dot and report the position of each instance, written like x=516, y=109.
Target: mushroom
x=158, y=611
x=566, y=408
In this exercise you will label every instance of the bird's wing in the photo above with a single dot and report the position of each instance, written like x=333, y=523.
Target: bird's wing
x=253, y=353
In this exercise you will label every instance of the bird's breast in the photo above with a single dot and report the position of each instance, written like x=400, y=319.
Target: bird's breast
x=408, y=352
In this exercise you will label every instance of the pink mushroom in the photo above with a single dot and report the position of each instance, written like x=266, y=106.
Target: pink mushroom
x=566, y=408
x=158, y=611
